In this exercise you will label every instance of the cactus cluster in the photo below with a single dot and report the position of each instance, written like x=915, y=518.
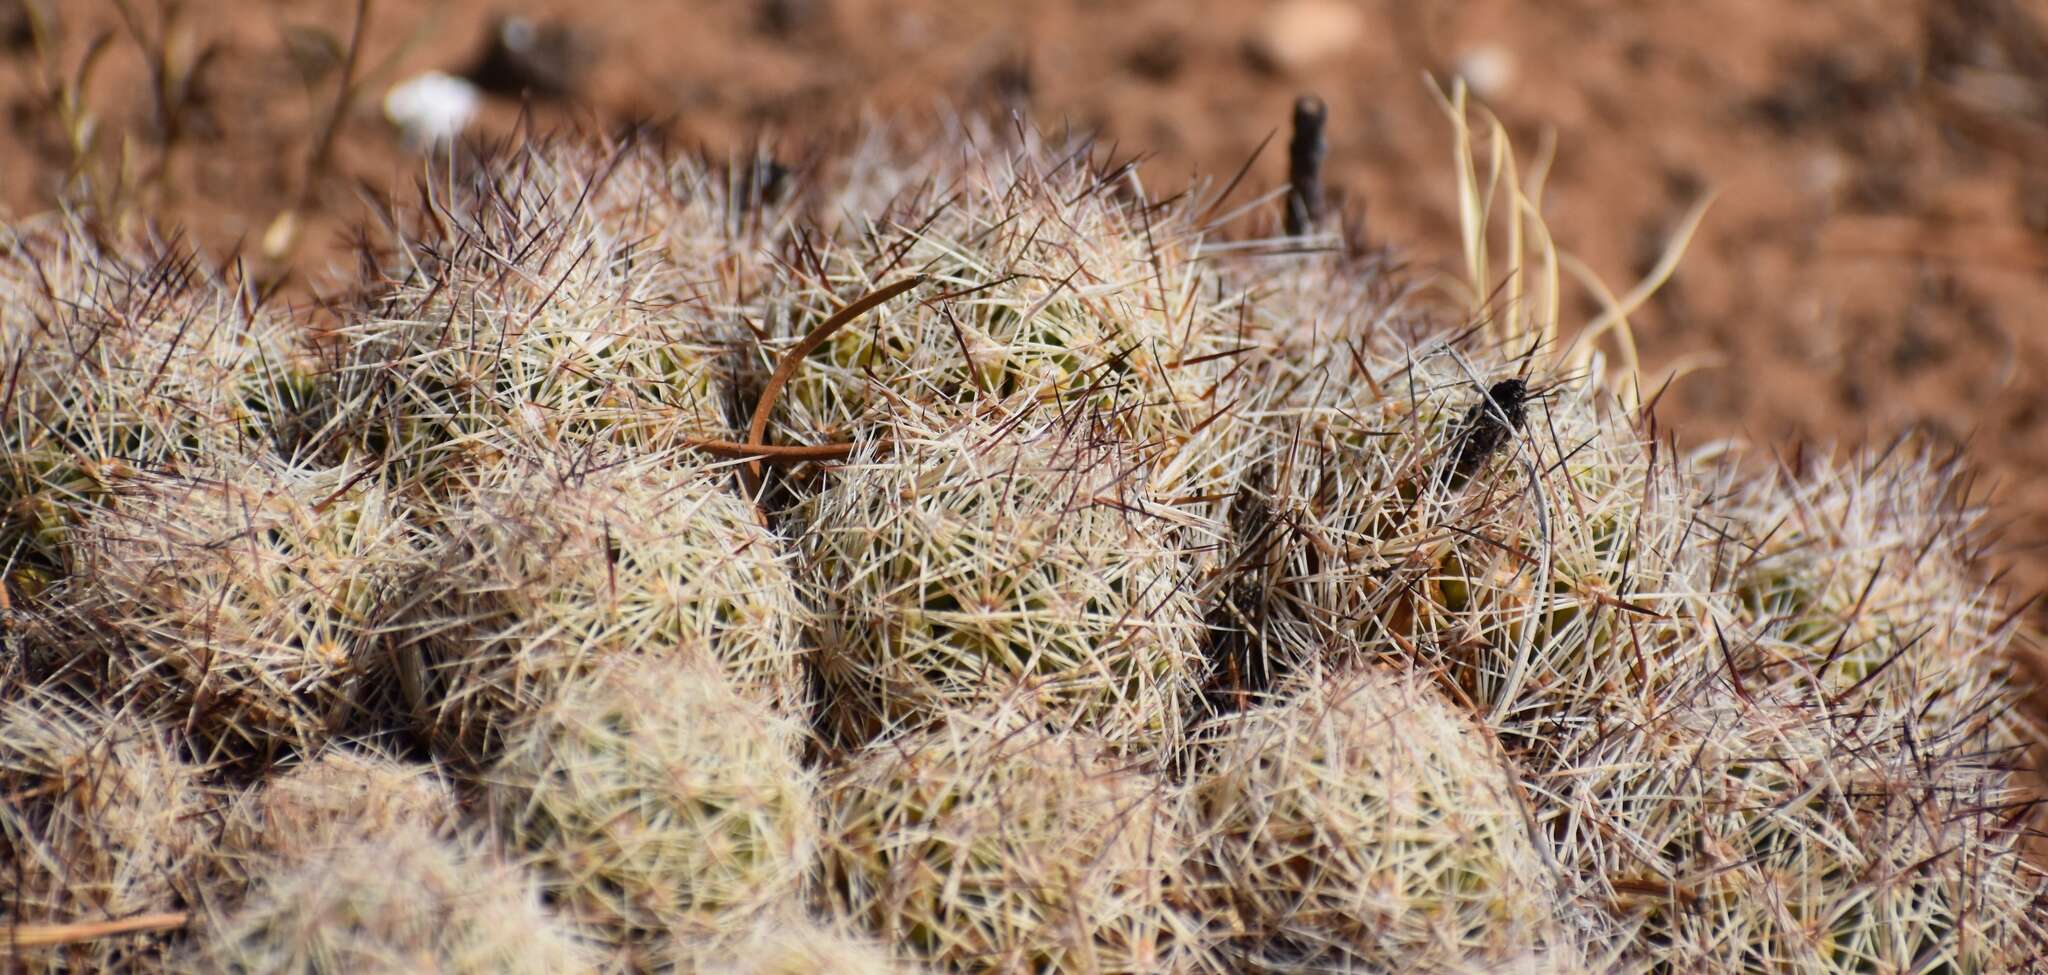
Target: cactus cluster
x=1117, y=590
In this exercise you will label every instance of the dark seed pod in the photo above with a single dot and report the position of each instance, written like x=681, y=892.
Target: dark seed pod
x=1486, y=428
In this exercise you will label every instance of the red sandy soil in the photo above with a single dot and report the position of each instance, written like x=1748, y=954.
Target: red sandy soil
x=1872, y=265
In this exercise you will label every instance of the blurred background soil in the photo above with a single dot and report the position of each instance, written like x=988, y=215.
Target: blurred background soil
x=1872, y=265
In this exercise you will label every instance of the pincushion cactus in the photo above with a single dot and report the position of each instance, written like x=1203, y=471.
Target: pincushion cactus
x=1764, y=836
x=1354, y=527
x=341, y=796
x=960, y=565
x=126, y=359
x=100, y=819
x=991, y=842
x=1856, y=584
x=656, y=803
x=246, y=601
x=543, y=309
x=1361, y=822
x=786, y=946
x=549, y=568
x=401, y=901
x=1059, y=293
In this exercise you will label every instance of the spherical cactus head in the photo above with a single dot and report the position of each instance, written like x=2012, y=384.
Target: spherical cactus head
x=402, y=898
x=1359, y=820
x=1733, y=834
x=124, y=357
x=464, y=353
x=547, y=572
x=1864, y=584
x=656, y=801
x=793, y=946
x=102, y=817
x=248, y=600
x=993, y=839
x=981, y=562
x=343, y=794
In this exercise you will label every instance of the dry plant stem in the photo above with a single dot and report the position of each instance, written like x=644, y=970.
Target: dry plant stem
x=172, y=81
x=66, y=96
x=774, y=453
x=1305, y=166
x=786, y=369
x=18, y=936
x=344, y=99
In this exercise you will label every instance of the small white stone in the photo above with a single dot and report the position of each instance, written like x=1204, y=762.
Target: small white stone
x=1826, y=175
x=431, y=109
x=1298, y=34
x=1488, y=70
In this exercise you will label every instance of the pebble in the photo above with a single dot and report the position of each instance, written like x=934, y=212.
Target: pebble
x=431, y=109
x=1487, y=69
x=1298, y=34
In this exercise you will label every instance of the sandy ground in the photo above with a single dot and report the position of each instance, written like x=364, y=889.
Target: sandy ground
x=1871, y=266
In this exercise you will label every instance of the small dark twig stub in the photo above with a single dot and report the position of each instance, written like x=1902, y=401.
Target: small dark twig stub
x=1486, y=429
x=782, y=18
x=767, y=181
x=1305, y=166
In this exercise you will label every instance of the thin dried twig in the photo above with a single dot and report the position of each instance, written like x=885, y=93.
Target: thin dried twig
x=16, y=937
x=786, y=369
